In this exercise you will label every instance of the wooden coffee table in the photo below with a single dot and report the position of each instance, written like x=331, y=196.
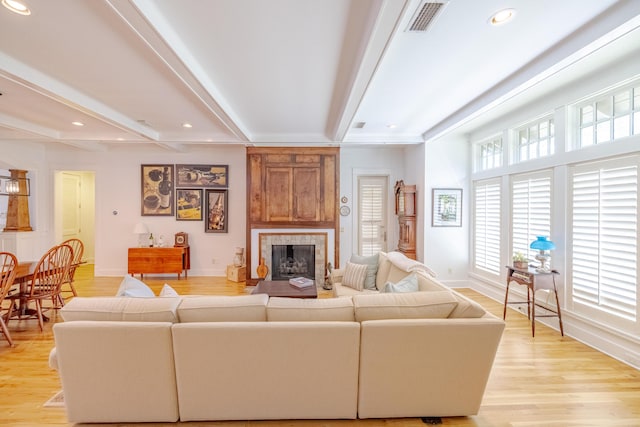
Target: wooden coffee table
x=282, y=288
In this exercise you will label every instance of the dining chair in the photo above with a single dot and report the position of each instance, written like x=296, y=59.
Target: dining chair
x=45, y=283
x=8, y=264
x=78, y=251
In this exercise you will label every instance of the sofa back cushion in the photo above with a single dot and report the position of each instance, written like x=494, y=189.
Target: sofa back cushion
x=243, y=308
x=131, y=309
x=414, y=305
x=298, y=309
x=384, y=265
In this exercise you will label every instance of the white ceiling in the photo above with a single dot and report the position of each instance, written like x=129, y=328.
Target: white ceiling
x=286, y=71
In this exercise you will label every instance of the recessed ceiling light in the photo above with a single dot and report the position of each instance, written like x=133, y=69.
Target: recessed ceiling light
x=187, y=125
x=502, y=16
x=77, y=123
x=16, y=6
x=392, y=126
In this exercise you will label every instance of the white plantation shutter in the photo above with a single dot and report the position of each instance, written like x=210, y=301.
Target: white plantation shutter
x=372, y=208
x=605, y=236
x=531, y=211
x=487, y=226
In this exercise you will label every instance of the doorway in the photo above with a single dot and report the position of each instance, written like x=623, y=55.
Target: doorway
x=75, y=209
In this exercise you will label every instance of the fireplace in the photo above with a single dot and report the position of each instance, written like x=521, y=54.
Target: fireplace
x=289, y=261
x=314, y=247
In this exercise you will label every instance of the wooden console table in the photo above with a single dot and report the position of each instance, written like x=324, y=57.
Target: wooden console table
x=159, y=260
x=534, y=281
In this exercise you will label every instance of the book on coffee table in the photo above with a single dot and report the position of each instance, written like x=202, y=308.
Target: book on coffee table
x=300, y=282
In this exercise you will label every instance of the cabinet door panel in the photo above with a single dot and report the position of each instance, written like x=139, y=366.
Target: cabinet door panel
x=278, y=191
x=306, y=194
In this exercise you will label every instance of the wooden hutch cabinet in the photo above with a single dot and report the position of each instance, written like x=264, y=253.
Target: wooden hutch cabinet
x=406, y=211
x=289, y=187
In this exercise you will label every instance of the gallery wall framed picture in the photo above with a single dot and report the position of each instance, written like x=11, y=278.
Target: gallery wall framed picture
x=189, y=204
x=157, y=194
x=206, y=176
x=216, y=202
x=447, y=207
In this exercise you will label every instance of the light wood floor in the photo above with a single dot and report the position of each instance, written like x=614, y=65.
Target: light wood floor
x=546, y=381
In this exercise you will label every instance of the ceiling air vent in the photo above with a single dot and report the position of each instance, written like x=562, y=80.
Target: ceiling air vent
x=424, y=16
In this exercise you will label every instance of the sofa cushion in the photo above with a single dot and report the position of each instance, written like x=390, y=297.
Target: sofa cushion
x=384, y=265
x=372, y=268
x=242, y=308
x=132, y=287
x=298, y=309
x=466, y=308
x=354, y=276
x=414, y=305
x=408, y=284
x=121, y=309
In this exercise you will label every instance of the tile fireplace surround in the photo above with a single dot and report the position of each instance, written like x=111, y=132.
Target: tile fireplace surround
x=321, y=239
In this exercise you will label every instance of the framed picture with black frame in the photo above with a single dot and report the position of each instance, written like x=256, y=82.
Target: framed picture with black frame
x=446, y=207
x=157, y=192
x=189, y=204
x=216, y=202
x=206, y=176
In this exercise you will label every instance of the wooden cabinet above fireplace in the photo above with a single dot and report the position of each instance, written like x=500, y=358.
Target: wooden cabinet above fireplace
x=292, y=187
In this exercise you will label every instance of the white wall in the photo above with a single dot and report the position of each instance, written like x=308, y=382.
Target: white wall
x=446, y=249
x=368, y=161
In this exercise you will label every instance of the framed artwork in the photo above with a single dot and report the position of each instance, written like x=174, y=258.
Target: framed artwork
x=157, y=190
x=216, y=203
x=189, y=204
x=209, y=176
x=447, y=207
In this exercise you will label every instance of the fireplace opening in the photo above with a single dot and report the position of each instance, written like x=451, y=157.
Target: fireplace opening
x=289, y=261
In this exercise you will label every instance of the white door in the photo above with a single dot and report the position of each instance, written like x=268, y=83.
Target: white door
x=372, y=214
x=71, y=205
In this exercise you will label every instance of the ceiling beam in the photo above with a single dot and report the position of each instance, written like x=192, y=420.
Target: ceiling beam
x=358, y=64
x=153, y=29
x=45, y=85
x=615, y=22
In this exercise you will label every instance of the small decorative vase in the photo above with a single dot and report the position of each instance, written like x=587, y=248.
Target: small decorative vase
x=523, y=265
x=262, y=269
x=238, y=259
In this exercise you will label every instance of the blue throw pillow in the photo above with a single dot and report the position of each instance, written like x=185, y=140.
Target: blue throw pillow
x=132, y=287
x=408, y=284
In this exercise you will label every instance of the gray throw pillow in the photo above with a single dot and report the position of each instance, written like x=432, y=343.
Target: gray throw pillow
x=372, y=268
x=408, y=284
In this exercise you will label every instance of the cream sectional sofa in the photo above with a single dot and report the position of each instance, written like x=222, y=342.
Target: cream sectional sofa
x=123, y=359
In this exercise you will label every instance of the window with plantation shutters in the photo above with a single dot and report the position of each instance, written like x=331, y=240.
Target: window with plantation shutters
x=604, y=235
x=372, y=214
x=487, y=227
x=530, y=211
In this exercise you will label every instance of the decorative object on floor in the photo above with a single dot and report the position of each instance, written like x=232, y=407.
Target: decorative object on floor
x=543, y=244
x=262, y=270
x=238, y=259
x=447, y=207
x=157, y=190
x=327, y=277
x=520, y=261
x=57, y=401
x=216, y=203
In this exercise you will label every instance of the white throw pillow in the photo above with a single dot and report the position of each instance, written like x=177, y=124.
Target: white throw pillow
x=354, y=276
x=408, y=284
x=132, y=287
x=168, y=291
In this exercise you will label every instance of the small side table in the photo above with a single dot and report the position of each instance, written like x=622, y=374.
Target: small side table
x=534, y=281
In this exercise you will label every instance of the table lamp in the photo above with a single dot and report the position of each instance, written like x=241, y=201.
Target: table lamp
x=140, y=229
x=542, y=244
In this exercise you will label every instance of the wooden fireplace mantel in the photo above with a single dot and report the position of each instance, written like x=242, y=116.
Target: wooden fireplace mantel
x=292, y=188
